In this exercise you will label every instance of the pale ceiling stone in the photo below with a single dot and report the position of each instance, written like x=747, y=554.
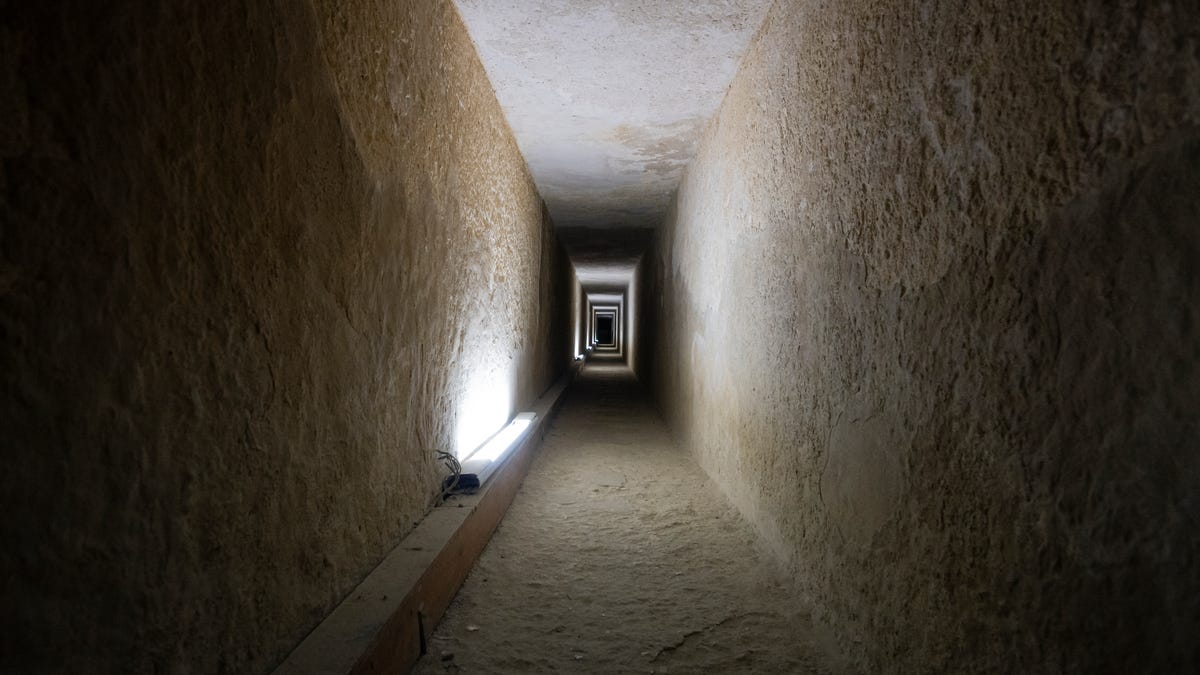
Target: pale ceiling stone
x=608, y=98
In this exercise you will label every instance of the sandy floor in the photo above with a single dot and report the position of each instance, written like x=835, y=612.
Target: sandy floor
x=619, y=555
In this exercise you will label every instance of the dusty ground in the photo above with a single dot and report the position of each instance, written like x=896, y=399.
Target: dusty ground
x=619, y=555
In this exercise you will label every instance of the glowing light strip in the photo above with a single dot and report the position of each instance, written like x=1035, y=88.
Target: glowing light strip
x=489, y=456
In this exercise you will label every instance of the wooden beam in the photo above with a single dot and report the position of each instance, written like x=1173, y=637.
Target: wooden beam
x=382, y=626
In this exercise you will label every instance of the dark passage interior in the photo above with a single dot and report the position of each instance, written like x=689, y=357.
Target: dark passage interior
x=881, y=324
x=604, y=330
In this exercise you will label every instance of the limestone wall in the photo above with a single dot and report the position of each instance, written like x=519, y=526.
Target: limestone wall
x=258, y=261
x=928, y=309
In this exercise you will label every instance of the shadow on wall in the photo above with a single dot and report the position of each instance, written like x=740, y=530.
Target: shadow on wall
x=236, y=320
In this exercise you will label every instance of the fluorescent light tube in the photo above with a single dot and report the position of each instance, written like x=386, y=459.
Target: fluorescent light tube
x=488, y=457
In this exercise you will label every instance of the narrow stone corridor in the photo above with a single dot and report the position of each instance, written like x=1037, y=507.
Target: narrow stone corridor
x=890, y=314
x=620, y=555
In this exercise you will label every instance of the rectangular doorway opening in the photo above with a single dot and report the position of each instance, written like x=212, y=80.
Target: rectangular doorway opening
x=604, y=331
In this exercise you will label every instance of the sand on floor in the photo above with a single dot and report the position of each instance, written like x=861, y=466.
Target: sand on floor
x=620, y=555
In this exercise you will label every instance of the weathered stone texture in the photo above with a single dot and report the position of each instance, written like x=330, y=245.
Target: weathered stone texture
x=928, y=308
x=255, y=256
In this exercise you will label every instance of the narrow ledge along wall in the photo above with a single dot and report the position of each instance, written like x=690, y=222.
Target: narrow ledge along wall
x=257, y=264
x=928, y=308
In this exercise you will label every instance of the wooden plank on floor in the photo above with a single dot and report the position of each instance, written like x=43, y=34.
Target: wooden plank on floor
x=380, y=626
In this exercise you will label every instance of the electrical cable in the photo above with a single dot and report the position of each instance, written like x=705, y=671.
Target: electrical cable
x=450, y=483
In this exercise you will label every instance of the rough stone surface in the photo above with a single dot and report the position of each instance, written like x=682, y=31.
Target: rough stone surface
x=928, y=309
x=605, y=257
x=607, y=98
x=255, y=265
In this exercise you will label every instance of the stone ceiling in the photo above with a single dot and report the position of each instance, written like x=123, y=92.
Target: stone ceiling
x=608, y=98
